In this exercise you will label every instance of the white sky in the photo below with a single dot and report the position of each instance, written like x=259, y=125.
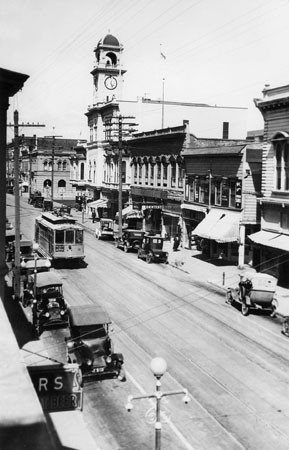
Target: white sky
x=217, y=51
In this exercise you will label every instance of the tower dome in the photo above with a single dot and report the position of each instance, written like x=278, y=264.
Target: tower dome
x=109, y=39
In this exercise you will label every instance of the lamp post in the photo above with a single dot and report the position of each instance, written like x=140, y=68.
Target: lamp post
x=158, y=367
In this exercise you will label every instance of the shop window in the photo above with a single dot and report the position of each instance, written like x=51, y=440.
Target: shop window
x=225, y=194
x=285, y=220
x=217, y=189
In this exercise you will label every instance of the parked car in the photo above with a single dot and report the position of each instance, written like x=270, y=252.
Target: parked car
x=27, y=272
x=104, y=229
x=90, y=345
x=26, y=250
x=152, y=250
x=49, y=309
x=130, y=240
x=255, y=291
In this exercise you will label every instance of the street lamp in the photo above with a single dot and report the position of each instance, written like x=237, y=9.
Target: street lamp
x=158, y=367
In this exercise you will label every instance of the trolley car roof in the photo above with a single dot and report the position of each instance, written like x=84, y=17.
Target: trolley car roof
x=53, y=218
x=59, y=223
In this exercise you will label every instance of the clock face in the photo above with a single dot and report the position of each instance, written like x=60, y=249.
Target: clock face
x=110, y=82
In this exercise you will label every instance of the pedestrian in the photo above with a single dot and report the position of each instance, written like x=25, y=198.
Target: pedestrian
x=176, y=243
x=93, y=216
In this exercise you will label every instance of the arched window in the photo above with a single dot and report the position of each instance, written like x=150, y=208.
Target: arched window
x=61, y=183
x=64, y=165
x=281, y=149
x=45, y=165
x=59, y=165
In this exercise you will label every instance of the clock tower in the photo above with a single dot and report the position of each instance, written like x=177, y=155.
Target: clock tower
x=107, y=73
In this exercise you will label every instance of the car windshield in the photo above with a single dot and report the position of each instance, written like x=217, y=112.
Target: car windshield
x=135, y=234
x=91, y=332
x=53, y=291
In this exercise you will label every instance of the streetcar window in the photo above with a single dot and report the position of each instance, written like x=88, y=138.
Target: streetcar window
x=69, y=237
x=78, y=236
x=59, y=237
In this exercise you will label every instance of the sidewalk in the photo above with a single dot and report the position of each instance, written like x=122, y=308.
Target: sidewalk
x=215, y=272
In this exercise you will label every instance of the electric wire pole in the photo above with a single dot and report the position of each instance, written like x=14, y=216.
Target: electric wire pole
x=17, y=200
x=123, y=128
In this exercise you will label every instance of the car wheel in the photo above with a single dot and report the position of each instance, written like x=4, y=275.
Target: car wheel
x=149, y=258
x=244, y=309
x=285, y=327
x=229, y=298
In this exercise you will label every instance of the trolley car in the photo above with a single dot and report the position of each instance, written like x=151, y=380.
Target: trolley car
x=59, y=237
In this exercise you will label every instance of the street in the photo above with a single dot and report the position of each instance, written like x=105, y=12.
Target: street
x=235, y=368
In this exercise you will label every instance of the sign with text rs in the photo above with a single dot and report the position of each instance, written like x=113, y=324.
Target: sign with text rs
x=59, y=388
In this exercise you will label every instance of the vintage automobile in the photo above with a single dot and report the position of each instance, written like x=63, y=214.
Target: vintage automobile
x=255, y=291
x=27, y=271
x=130, y=240
x=90, y=345
x=104, y=229
x=152, y=250
x=49, y=309
x=25, y=247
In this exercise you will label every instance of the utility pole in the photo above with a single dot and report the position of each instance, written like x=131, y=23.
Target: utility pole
x=52, y=162
x=120, y=176
x=17, y=200
x=123, y=128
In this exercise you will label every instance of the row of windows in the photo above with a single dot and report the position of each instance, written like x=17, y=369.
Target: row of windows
x=226, y=193
x=60, y=165
x=159, y=174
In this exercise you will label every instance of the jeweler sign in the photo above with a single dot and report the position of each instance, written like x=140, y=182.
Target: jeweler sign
x=59, y=388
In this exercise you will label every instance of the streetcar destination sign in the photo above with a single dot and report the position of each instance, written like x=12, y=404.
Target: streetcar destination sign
x=59, y=388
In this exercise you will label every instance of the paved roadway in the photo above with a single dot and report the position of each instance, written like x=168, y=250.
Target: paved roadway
x=235, y=368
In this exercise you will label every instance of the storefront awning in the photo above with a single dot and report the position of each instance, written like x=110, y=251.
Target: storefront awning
x=270, y=239
x=131, y=213
x=220, y=226
x=100, y=203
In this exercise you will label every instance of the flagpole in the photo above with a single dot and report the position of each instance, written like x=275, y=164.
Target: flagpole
x=163, y=103
x=163, y=56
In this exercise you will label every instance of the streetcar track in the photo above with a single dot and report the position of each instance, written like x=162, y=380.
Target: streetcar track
x=196, y=305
